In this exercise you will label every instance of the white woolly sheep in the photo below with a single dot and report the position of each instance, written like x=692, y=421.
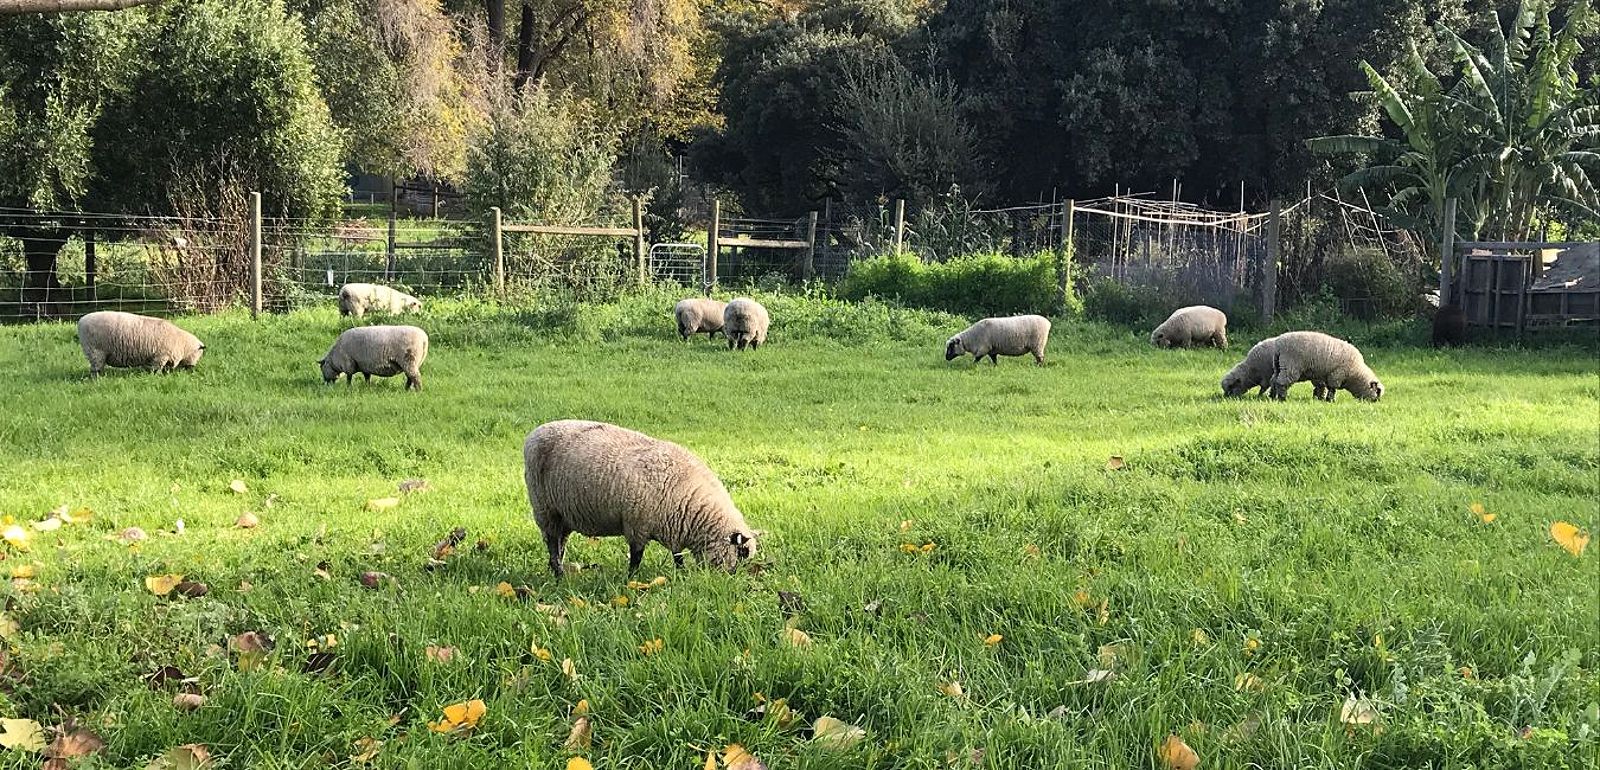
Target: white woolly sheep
x=993, y=337
x=358, y=298
x=1193, y=325
x=384, y=351
x=1328, y=362
x=699, y=314
x=124, y=340
x=745, y=322
x=600, y=480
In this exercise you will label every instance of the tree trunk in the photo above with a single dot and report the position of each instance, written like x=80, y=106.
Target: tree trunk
x=525, y=47
x=8, y=7
x=497, y=29
x=40, y=248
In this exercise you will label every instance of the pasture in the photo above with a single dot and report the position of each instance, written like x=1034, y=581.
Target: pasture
x=1250, y=567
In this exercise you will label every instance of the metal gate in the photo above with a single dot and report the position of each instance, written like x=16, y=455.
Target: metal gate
x=681, y=263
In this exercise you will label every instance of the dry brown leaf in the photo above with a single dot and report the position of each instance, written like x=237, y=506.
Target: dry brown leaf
x=439, y=654
x=797, y=638
x=413, y=485
x=581, y=736
x=373, y=579
x=188, y=701
x=1177, y=755
x=952, y=689
x=366, y=750
x=1358, y=711
x=247, y=520
x=735, y=757
x=569, y=668
x=1115, y=463
x=190, y=589
x=238, y=487
x=130, y=535
x=74, y=742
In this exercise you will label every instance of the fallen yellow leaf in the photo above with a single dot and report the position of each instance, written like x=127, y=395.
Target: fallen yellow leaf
x=8, y=627
x=161, y=585
x=247, y=520
x=1248, y=681
x=835, y=734
x=734, y=757
x=439, y=654
x=238, y=487
x=796, y=637
x=382, y=503
x=579, y=763
x=505, y=590
x=459, y=716
x=1357, y=712
x=366, y=750
x=569, y=668
x=619, y=601
x=1177, y=755
x=23, y=571
x=1115, y=463
x=541, y=653
x=927, y=547
x=992, y=639
x=581, y=736
x=952, y=689
x=1200, y=637
x=582, y=708
x=652, y=646
x=1568, y=536
x=21, y=734
x=48, y=525
x=16, y=537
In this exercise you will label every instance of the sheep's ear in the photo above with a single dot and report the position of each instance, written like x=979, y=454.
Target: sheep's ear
x=738, y=538
x=322, y=360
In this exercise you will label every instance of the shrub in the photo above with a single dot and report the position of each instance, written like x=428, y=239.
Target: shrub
x=984, y=284
x=1370, y=284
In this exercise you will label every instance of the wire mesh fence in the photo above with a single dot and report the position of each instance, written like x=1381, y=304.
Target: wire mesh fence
x=64, y=264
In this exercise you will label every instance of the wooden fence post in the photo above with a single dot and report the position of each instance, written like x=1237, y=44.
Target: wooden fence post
x=1447, y=251
x=711, y=245
x=255, y=255
x=899, y=224
x=497, y=250
x=808, y=269
x=1064, y=256
x=638, y=239
x=389, y=262
x=91, y=265
x=1269, y=270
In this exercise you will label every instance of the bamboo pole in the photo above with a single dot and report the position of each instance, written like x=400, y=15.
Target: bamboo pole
x=497, y=247
x=255, y=255
x=712, y=246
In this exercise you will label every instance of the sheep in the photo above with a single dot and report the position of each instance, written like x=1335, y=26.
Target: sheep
x=745, y=322
x=1328, y=362
x=381, y=350
x=699, y=314
x=995, y=337
x=358, y=298
x=599, y=479
x=125, y=340
x=1193, y=325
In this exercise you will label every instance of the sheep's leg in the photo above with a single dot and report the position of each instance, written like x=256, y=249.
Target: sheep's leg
x=1220, y=339
x=994, y=358
x=555, y=541
x=635, y=555
x=413, y=379
x=677, y=560
x=1038, y=357
x=367, y=376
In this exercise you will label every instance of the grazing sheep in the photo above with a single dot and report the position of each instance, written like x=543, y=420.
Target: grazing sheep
x=358, y=298
x=745, y=322
x=992, y=337
x=1449, y=326
x=124, y=340
x=699, y=314
x=381, y=350
x=1328, y=362
x=1193, y=325
x=600, y=480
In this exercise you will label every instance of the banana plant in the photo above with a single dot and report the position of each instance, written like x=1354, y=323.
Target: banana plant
x=1514, y=138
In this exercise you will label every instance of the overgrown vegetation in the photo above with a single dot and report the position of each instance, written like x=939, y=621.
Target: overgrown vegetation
x=1250, y=570
x=984, y=284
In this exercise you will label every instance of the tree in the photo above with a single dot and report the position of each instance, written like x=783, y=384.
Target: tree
x=1515, y=137
x=8, y=7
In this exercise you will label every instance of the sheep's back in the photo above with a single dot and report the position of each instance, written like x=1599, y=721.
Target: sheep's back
x=130, y=340
x=598, y=476
x=1195, y=322
x=1013, y=335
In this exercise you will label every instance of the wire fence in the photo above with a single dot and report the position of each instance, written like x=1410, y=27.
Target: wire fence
x=56, y=264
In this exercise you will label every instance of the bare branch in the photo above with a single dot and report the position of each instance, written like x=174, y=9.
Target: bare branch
x=10, y=7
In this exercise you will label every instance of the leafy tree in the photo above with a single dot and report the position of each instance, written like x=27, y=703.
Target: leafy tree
x=1515, y=136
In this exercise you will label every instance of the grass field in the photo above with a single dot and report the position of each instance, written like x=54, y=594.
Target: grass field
x=1252, y=566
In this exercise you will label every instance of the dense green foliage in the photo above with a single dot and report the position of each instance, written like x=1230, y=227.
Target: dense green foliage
x=986, y=284
x=1327, y=550
x=1514, y=136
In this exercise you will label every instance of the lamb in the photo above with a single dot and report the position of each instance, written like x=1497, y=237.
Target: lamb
x=358, y=298
x=599, y=479
x=126, y=340
x=745, y=322
x=994, y=337
x=381, y=350
x=1328, y=362
x=1193, y=325
x=699, y=314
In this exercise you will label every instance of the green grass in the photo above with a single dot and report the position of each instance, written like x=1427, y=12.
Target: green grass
x=1337, y=537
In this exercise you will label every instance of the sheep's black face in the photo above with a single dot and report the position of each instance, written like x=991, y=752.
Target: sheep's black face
x=952, y=349
x=1234, y=386
x=1372, y=392
x=1158, y=339
x=726, y=553
x=328, y=374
